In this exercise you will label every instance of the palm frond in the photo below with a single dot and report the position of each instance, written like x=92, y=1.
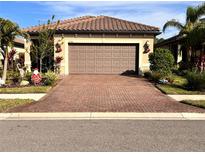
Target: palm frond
x=9, y=31
x=191, y=15
x=197, y=35
x=173, y=23
x=200, y=10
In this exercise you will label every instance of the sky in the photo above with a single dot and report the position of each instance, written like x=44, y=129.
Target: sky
x=148, y=12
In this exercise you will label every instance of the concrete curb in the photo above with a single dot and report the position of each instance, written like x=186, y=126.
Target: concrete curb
x=101, y=115
x=187, y=97
x=34, y=96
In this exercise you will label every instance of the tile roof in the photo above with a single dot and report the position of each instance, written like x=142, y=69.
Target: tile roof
x=19, y=40
x=97, y=24
x=174, y=39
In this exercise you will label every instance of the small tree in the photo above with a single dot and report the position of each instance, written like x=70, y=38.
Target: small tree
x=8, y=32
x=43, y=48
x=161, y=61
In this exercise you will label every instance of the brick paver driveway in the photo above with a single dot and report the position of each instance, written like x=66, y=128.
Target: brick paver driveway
x=106, y=93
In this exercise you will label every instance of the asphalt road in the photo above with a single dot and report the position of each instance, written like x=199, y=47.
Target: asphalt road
x=102, y=135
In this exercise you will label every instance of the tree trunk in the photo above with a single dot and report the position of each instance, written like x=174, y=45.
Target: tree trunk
x=40, y=65
x=189, y=53
x=5, y=65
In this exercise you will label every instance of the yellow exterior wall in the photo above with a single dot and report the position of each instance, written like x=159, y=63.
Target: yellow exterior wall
x=143, y=57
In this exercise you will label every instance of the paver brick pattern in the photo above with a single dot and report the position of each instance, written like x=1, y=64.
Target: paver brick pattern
x=106, y=93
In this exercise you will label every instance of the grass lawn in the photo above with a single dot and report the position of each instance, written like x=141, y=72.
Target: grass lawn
x=23, y=90
x=177, y=87
x=173, y=89
x=6, y=104
x=198, y=103
x=179, y=80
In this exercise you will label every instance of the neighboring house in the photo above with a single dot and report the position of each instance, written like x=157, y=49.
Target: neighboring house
x=102, y=45
x=175, y=45
x=20, y=53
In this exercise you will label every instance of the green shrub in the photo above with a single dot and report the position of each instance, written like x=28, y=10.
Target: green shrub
x=170, y=78
x=185, y=65
x=13, y=77
x=156, y=76
x=1, y=72
x=161, y=62
x=180, y=72
x=27, y=77
x=148, y=75
x=195, y=80
x=50, y=78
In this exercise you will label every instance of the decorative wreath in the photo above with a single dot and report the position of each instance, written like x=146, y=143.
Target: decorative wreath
x=58, y=59
x=58, y=48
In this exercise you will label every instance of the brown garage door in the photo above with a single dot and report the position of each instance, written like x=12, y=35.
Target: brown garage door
x=101, y=58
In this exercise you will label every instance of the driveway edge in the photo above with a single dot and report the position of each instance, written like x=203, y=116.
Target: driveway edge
x=102, y=115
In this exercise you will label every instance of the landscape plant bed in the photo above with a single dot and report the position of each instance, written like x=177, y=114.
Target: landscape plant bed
x=197, y=103
x=177, y=87
x=173, y=89
x=7, y=104
x=24, y=89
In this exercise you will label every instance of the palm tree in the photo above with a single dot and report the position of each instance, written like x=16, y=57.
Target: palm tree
x=193, y=20
x=193, y=15
x=8, y=32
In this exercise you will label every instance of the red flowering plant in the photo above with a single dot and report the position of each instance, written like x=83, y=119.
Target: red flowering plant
x=58, y=59
x=11, y=54
x=200, y=62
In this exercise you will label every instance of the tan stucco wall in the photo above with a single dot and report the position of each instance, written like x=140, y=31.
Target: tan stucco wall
x=143, y=57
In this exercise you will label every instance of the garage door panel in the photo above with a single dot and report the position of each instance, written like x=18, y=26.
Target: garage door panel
x=108, y=47
x=74, y=55
x=90, y=63
x=107, y=70
x=82, y=55
x=89, y=70
x=90, y=56
x=125, y=54
x=125, y=63
x=131, y=54
x=107, y=54
x=116, y=61
x=107, y=62
x=81, y=69
x=99, y=54
x=101, y=59
x=117, y=54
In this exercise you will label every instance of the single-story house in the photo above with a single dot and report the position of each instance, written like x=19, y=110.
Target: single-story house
x=101, y=45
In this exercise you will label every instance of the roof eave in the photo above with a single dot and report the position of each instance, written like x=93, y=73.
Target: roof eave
x=170, y=40
x=100, y=32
